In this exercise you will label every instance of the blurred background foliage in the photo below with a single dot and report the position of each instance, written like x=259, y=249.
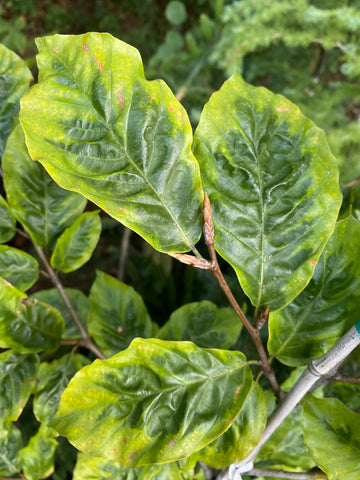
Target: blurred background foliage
x=307, y=50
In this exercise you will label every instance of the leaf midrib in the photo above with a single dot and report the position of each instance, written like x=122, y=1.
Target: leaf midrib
x=141, y=174
x=173, y=388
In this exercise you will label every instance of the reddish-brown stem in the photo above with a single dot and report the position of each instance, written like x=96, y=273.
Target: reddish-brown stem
x=254, y=331
x=86, y=340
x=262, y=319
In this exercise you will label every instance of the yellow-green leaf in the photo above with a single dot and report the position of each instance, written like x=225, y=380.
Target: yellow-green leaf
x=15, y=78
x=273, y=187
x=329, y=305
x=44, y=208
x=76, y=244
x=155, y=402
x=101, y=129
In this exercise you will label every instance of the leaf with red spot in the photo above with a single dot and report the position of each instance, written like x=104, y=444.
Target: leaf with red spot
x=155, y=402
x=100, y=128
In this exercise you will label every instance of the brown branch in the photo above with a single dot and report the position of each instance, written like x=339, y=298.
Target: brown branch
x=262, y=319
x=215, y=269
x=338, y=377
x=124, y=249
x=213, y=266
x=353, y=183
x=86, y=340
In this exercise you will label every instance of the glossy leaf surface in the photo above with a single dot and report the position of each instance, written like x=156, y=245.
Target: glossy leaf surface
x=101, y=129
x=26, y=324
x=51, y=381
x=96, y=468
x=241, y=438
x=117, y=314
x=204, y=324
x=7, y=222
x=273, y=187
x=79, y=302
x=18, y=268
x=37, y=458
x=329, y=305
x=17, y=381
x=44, y=208
x=285, y=449
x=76, y=244
x=10, y=445
x=15, y=78
x=156, y=402
x=331, y=427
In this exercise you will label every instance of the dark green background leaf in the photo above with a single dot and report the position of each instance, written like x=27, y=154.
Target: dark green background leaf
x=79, y=302
x=17, y=381
x=7, y=222
x=329, y=305
x=204, y=324
x=15, y=78
x=330, y=427
x=273, y=187
x=156, y=402
x=51, y=381
x=18, y=268
x=101, y=129
x=37, y=458
x=44, y=208
x=26, y=324
x=10, y=445
x=76, y=244
x=117, y=314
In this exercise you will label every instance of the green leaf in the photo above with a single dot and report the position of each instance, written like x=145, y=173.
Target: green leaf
x=285, y=449
x=101, y=129
x=96, y=468
x=156, y=402
x=18, y=268
x=117, y=314
x=329, y=305
x=77, y=243
x=273, y=187
x=26, y=324
x=7, y=222
x=204, y=324
x=242, y=437
x=10, y=445
x=331, y=427
x=15, y=78
x=37, y=457
x=79, y=302
x=51, y=381
x=175, y=12
x=37, y=202
x=17, y=381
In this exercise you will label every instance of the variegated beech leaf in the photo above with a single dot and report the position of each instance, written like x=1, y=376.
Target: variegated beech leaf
x=101, y=129
x=273, y=187
x=155, y=402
